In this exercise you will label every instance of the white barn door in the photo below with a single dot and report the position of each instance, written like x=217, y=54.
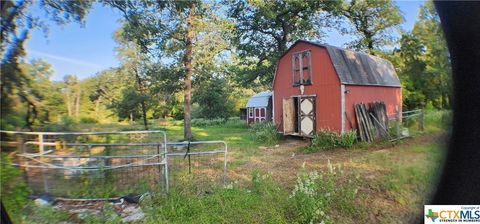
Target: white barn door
x=307, y=116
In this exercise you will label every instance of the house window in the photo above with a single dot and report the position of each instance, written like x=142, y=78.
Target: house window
x=302, y=68
x=250, y=112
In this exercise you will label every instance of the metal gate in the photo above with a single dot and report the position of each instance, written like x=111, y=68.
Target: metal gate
x=108, y=164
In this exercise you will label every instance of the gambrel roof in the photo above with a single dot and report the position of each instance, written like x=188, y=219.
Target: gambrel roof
x=355, y=68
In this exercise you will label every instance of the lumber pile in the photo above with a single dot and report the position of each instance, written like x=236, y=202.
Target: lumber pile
x=372, y=123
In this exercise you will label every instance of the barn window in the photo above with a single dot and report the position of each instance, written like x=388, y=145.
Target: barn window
x=302, y=68
x=250, y=112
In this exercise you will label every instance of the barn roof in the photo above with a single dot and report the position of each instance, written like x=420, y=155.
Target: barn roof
x=259, y=99
x=357, y=68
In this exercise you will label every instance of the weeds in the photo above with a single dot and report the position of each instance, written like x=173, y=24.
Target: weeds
x=315, y=196
x=263, y=202
x=325, y=140
x=14, y=191
x=265, y=133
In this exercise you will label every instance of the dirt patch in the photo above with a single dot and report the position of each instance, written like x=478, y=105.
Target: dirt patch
x=286, y=160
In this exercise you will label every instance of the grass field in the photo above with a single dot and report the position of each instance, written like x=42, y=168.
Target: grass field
x=378, y=183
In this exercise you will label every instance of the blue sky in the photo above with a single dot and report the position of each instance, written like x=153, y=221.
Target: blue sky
x=86, y=50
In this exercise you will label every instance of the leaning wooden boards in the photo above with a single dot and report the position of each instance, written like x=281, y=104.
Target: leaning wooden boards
x=372, y=123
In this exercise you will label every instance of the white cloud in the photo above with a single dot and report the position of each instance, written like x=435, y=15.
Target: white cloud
x=65, y=59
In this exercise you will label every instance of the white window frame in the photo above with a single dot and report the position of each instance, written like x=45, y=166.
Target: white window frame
x=251, y=115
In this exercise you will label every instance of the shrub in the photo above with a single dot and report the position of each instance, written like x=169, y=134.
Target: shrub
x=88, y=120
x=66, y=124
x=348, y=139
x=265, y=132
x=325, y=140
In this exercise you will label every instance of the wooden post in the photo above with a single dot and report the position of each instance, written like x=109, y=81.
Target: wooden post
x=422, y=120
x=397, y=121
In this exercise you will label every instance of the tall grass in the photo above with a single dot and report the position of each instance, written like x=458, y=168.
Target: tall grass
x=316, y=195
x=265, y=133
x=325, y=140
x=233, y=122
x=441, y=119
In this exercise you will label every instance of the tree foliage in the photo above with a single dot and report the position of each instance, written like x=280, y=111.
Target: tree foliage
x=425, y=69
x=264, y=30
x=217, y=55
x=373, y=22
x=213, y=96
x=16, y=23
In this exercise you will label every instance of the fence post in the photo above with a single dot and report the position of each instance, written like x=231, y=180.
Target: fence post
x=397, y=121
x=40, y=151
x=422, y=120
x=21, y=149
x=19, y=140
x=40, y=146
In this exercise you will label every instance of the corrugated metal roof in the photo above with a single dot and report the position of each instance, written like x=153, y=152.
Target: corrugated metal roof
x=260, y=99
x=357, y=68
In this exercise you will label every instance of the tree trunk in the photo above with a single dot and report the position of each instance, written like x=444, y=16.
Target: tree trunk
x=97, y=107
x=142, y=91
x=77, y=100
x=187, y=125
x=68, y=100
x=144, y=115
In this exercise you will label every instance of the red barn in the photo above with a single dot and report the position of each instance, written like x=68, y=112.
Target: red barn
x=316, y=85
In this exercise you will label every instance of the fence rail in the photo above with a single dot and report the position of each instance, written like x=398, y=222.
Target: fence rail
x=406, y=124
x=117, y=158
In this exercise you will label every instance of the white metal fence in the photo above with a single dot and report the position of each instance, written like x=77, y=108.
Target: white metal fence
x=105, y=164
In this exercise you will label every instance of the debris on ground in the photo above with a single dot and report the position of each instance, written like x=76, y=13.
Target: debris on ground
x=126, y=207
x=44, y=199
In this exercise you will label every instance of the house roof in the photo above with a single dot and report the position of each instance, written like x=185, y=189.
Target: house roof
x=357, y=68
x=259, y=99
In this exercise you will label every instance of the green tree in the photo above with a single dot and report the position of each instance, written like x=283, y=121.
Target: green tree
x=374, y=22
x=172, y=30
x=132, y=58
x=46, y=94
x=423, y=64
x=435, y=56
x=264, y=29
x=129, y=105
x=106, y=88
x=17, y=21
x=213, y=96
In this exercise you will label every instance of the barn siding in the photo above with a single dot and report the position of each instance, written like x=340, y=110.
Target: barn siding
x=325, y=85
x=392, y=96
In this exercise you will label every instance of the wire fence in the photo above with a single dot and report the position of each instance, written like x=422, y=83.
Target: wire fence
x=110, y=164
x=406, y=124
x=197, y=165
